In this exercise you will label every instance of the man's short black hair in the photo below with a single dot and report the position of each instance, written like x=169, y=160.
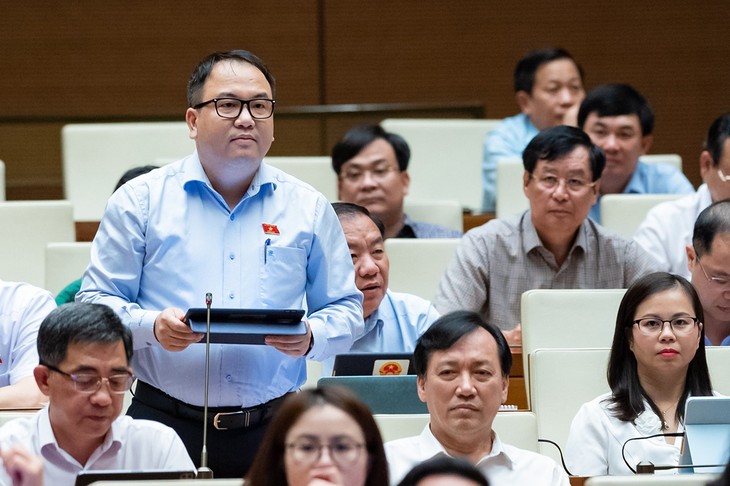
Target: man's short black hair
x=134, y=172
x=713, y=220
x=78, y=322
x=345, y=210
x=451, y=327
x=358, y=137
x=444, y=465
x=617, y=100
x=205, y=67
x=556, y=142
x=531, y=62
x=717, y=134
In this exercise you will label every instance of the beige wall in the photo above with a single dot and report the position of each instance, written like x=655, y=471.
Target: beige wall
x=86, y=61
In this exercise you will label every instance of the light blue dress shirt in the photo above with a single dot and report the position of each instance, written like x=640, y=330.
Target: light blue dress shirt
x=650, y=179
x=168, y=237
x=394, y=327
x=725, y=342
x=508, y=140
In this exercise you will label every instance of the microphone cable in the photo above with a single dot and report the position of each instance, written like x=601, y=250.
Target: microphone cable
x=560, y=451
x=623, y=449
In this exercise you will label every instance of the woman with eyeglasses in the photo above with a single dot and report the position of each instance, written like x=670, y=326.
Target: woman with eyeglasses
x=321, y=437
x=657, y=360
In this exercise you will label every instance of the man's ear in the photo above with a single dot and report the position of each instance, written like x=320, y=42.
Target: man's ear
x=646, y=142
x=421, y=387
x=706, y=164
x=524, y=101
x=191, y=118
x=406, y=179
x=41, y=375
x=505, y=388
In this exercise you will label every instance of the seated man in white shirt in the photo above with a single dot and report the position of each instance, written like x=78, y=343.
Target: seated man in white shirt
x=22, y=308
x=667, y=242
x=709, y=265
x=463, y=367
x=393, y=320
x=84, y=352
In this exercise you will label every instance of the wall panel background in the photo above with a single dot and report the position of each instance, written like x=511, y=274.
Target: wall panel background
x=129, y=60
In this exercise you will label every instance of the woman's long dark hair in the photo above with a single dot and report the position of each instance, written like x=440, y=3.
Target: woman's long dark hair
x=627, y=400
x=268, y=465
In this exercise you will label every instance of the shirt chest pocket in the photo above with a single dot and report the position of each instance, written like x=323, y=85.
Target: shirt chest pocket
x=283, y=277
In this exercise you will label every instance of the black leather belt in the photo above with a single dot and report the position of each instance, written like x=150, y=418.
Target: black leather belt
x=222, y=418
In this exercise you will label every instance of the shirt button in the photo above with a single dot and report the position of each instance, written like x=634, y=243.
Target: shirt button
x=229, y=377
x=231, y=295
x=233, y=217
x=232, y=256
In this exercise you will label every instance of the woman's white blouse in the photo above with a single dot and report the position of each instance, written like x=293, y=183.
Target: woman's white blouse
x=596, y=438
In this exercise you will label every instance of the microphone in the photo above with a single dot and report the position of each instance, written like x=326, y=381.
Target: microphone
x=647, y=467
x=204, y=472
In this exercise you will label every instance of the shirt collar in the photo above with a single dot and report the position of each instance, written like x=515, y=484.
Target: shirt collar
x=192, y=172
x=47, y=439
x=532, y=240
x=431, y=447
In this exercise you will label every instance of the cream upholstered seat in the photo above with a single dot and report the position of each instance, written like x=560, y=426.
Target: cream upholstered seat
x=29, y=226
x=95, y=155
x=450, y=170
x=417, y=264
x=623, y=213
x=567, y=318
x=443, y=212
x=315, y=171
x=65, y=263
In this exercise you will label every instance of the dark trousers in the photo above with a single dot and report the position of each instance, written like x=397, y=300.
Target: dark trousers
x=230, y=452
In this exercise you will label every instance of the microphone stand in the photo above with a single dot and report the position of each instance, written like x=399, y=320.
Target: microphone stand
x=204, y=472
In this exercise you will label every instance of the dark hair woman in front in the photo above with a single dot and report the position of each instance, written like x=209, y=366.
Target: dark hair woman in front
x=657, y=360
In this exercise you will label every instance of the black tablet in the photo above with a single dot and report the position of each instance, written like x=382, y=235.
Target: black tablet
x=85, y=478
x=374, y=364
x=246, y=326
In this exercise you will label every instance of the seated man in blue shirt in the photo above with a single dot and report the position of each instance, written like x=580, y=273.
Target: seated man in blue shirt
x=708, y=258
x=372, y=171
x=393, y=320
x=620, y=121
x=548, y=90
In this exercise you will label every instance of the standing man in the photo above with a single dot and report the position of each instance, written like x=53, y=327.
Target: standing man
x=708, y=259
x=668, y=242
x=22, y=308
x=463, y=367
x=620, y=121
x=372, y=171
x=84, y=369
x=552, y=245
x=548, y=90
x=221, y=221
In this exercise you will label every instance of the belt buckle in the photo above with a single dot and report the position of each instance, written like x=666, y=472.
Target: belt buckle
x=217, y=418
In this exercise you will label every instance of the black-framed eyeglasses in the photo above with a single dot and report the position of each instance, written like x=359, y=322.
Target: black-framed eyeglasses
x=258, y=108
x=343, y=451
x=90, y=383
x=655, y=325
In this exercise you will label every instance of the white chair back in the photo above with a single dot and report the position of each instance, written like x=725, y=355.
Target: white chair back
x=446, y=156
x=511, y=198
x=561, y=380
x=718, y=359
x=2, y=180
x=29, y=226
x=567, y=318
x=95, y=156
x=8, y=415
x=315, y=171
x=443, y=212
x=675, y=160
x=65, y=263
x=623, y=213
x=416, y=265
